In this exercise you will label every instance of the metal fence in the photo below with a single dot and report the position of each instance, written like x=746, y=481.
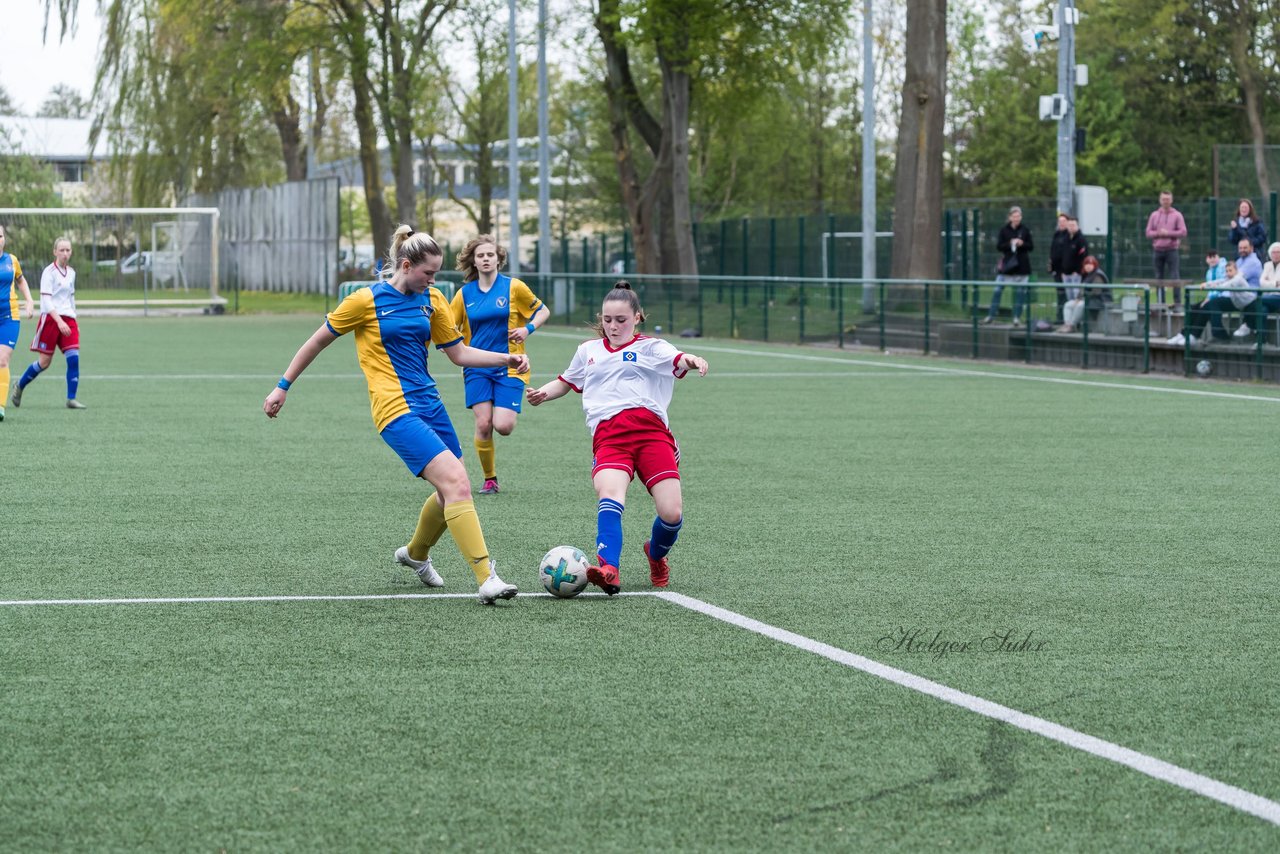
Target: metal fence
x=282, y=238
x=1126, y=331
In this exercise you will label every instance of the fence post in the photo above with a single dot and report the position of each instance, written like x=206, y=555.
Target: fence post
x=926, y=318
x=964, y=250
x=733, y=310
x=881, y=312
x=801, y=311
x=977, y=243
x=1213, y=222
x=831, y=258
x=746, y=254
x=1259, y=323
x=1111, y=264
x=840, y=319
x=800, y=244
x=948, y=273
x=724, y=237
x=773, y=266
x=1146, y=330
x=1273, y=214
x=973, y=315
x=1084, y=327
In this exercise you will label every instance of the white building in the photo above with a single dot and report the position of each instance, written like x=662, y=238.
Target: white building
x=62, y=143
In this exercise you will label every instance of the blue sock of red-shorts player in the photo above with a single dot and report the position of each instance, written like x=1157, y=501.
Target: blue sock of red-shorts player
x=32, y=371
x=663, y=536
x=73, y=374
x=609, y=531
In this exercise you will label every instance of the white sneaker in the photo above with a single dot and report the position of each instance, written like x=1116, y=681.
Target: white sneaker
x=495, y=588
x=426, y=572
x=1179, y=341
x=1242, y=331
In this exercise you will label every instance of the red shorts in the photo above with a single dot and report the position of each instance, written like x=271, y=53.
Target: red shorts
x=637, y=442
x=49, y=336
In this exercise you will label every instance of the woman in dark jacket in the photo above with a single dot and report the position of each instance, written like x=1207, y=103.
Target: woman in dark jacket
x=1247, y=224
x=1015, y=244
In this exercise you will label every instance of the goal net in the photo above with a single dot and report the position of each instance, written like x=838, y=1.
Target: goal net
x=127, y=260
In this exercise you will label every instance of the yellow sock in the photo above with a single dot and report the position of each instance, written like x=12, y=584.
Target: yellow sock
x=4, y=386
x=431, y=526
x=464, y=526
x=484, y=448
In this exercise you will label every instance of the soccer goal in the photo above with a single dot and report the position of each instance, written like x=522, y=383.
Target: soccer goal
x=127, y=260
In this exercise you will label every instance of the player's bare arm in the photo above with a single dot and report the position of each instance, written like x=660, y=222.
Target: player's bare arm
x=696, y=363
x=552, y=390
x=466, y=356
x=306, y=354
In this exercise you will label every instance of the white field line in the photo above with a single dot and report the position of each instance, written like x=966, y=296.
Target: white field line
x=1149, y=765
x=1224, y=793
x=198, y=600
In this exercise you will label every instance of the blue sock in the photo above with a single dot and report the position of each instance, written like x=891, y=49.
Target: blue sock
x=663, y=537
x=73, y=374
x=609, y=531
x=32, y=371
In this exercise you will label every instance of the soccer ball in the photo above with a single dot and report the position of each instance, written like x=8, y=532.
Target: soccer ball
x=1204, y=367
x=563, y=571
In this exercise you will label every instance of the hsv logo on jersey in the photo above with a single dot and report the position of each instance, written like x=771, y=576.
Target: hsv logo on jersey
x=628, y=356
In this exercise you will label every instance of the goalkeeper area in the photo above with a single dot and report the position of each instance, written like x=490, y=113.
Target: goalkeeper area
x=127, y=260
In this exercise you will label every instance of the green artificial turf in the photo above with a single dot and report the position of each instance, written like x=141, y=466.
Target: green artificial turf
x=846, y=497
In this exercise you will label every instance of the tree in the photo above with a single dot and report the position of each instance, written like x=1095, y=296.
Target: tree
x=917, y=205
x=7, y=107
x=64, y=102
x=687, y=41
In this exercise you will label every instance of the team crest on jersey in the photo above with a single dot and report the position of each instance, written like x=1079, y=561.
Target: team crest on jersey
x=629, y=356
x=501, y=301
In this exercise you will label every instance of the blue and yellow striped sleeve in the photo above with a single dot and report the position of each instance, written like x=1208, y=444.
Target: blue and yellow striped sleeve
x=445, y=330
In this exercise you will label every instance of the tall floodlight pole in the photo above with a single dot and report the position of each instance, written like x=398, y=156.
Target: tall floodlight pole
x=868, y=162
x=513, y=140
x=544, y=156
x=1067, y=87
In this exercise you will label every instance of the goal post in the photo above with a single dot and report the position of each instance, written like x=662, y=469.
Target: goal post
x=162, y=260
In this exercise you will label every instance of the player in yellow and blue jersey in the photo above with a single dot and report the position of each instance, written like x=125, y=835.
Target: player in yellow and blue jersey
x=11, y=280
x=497, y=313
x=394, y=324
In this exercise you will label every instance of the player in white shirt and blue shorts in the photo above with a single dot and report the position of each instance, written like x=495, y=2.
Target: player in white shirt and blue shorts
x=57, y=327
x=626, y=381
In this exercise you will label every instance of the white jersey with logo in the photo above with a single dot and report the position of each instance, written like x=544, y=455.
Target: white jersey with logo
x=640, y=374
x=58, y=291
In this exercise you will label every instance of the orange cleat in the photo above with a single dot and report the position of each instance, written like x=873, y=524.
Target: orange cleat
x=659, y=570
x=605, y=577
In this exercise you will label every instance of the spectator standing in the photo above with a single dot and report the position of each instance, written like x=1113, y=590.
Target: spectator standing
x=1060, y=236
x=1247, y=225
x=1071, y=251
x=1015, y=245
x=1166, y=230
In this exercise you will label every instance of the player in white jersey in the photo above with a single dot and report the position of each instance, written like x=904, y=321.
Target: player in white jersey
x=57, y=328
x=626, y=380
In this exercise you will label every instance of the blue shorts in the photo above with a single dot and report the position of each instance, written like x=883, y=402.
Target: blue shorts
x=419, y=439
x=505, y=392
x=9, y=333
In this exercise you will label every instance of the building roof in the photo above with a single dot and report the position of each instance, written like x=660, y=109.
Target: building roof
x=48, y=139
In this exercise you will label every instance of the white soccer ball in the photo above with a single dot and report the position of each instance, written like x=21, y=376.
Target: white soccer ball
x=1204, y=367
x=563, y=571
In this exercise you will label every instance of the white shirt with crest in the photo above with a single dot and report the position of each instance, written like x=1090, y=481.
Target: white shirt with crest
x=640, y=374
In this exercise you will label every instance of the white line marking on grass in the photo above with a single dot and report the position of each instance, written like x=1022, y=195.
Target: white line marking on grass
x=196, y=600
x=1149, y=765
x=1224, y=793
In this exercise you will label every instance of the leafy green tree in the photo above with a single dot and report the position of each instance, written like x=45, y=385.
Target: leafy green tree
x=7, y=107
x=64, y=102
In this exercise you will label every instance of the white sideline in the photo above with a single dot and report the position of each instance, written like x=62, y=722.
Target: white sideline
x=1223, y=793
x=1149, y=765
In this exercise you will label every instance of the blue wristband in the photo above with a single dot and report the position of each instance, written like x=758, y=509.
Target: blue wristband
x=532, y=329
x=284, y=384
